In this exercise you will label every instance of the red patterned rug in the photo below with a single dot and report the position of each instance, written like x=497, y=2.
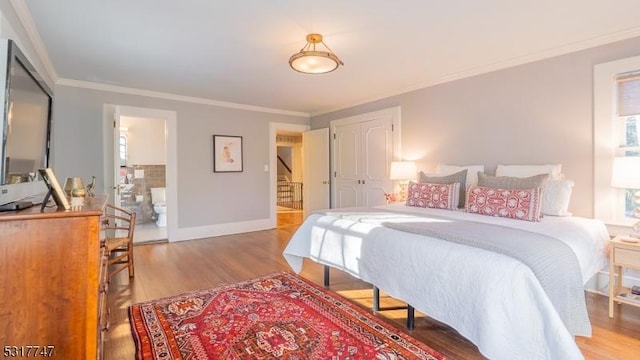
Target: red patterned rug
x=279, y=316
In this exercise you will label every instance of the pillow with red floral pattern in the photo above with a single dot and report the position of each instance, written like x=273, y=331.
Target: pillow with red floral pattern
x=437, y=196
x=521, y=204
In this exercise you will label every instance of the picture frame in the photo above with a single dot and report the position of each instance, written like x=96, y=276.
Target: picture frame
x=53, y=185
x=227, y=153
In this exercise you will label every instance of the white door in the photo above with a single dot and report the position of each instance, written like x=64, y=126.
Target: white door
x=377, y=154
x=362, y=155
x=315, y=170
x=347, y=164
x=115, y=194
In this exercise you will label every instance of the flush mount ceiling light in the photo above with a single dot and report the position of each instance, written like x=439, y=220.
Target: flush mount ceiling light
x=311, y=61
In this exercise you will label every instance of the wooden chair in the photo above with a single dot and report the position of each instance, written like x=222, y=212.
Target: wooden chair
x=119, y=225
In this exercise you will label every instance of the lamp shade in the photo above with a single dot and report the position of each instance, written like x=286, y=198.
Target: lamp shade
x=626, y=172
x=314, y=62
x=403, y=170
x=309, y=60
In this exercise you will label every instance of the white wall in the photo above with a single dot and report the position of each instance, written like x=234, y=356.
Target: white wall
x=146, y=140
x=536, y=113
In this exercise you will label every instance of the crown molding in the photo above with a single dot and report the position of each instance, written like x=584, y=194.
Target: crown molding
x=168, y=96
x=24, y=15
x=562, y=50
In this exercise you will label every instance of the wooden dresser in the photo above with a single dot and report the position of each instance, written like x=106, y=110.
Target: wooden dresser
x=52, y=282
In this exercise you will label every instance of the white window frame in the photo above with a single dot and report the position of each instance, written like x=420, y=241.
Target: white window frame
x=608, y=201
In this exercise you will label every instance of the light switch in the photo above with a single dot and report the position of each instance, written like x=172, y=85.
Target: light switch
x=138, y=173
x=266, y=168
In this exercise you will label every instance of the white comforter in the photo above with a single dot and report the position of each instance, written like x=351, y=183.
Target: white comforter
x=492, y=299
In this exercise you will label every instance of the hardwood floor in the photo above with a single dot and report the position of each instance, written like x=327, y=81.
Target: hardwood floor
x=167, y=269
x=289, y=218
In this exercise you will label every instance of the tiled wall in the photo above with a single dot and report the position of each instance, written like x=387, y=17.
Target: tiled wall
x=154, y=176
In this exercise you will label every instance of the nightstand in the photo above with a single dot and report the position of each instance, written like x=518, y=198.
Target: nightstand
x=622, y=254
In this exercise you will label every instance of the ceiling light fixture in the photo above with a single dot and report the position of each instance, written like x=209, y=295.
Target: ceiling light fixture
x=311, y=61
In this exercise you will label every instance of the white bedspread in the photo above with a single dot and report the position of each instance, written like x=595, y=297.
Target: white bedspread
x=492, y=299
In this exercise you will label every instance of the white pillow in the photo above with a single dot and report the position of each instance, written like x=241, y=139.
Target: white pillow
x=556, y=195
x=472, y=172
x=554, y=171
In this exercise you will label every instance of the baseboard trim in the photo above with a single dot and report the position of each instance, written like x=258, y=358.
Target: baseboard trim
x=200, y=232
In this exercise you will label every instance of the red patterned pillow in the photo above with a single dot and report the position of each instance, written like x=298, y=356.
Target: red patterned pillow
x=439, y=196
x=522, y=204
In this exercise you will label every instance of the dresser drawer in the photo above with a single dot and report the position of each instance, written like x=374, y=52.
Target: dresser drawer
x=627, y=257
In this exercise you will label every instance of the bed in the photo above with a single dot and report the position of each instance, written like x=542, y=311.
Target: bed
x=493, y=299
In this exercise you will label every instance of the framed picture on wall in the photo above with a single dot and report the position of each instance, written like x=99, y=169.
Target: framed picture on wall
x=227, y=153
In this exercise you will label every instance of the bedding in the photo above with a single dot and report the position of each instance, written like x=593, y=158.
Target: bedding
x=439, y=196
x=511, y=182
x=459, y=177
x=521, y=204
x=556, y=195
x=553, y=170
x=502, y=308
x=472, y=171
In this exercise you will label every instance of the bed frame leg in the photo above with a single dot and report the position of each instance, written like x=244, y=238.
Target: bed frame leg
x=410, y=317
x=376, y=299
x=326, y=275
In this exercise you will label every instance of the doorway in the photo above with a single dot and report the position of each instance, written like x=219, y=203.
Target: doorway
x=147, y=162
x=289, y=185
x=284, y=130
x=142, y=175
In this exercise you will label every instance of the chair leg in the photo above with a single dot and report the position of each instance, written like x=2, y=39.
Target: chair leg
x=130, y=260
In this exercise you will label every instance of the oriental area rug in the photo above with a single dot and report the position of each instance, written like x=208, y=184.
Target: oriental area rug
x=279, y=316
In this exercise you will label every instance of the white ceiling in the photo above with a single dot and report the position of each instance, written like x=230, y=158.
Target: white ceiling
x=237, y=51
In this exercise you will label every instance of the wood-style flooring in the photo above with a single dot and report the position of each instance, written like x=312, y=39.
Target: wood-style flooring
x=167, y=269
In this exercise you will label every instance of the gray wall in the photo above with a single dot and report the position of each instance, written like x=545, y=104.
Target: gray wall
x=541, y=112
x=204, y=198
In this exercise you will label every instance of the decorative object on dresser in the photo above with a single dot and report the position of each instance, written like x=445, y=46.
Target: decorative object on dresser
x=404, y=171
x=626, y=175
x=54, y=189
x=280, y=315
x=53, y=280
x=119, y=226
x=624, y=252
x=74, y=186
x=91, y=187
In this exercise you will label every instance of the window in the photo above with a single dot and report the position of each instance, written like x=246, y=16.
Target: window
x=123, y=150
x=628, y=110
x=616, y=133
x=631, y=148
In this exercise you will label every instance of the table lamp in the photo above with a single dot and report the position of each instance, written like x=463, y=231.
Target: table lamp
x=404, y=171
x=626, y=175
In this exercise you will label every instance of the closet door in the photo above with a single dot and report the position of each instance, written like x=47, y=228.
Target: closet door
x=347, y=164
x=377, y=153
x=363, y=153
